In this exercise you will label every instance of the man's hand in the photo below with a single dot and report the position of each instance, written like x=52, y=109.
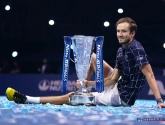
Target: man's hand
x=161, y=105
x=79, y=84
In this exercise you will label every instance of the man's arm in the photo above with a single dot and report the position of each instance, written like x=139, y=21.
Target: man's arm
x=147, y=71
x=108, y=81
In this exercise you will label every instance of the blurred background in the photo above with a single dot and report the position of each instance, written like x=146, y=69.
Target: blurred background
x=32, y=43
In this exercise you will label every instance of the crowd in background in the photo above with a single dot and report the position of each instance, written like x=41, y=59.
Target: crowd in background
x=13, y=67
x=48, y=66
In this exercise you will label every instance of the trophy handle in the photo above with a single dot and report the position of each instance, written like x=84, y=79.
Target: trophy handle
x=72, y=60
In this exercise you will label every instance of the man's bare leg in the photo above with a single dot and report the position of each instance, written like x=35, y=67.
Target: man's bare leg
x=64, y=99
x=92, y=68
x=57, y=100
x=13, y=95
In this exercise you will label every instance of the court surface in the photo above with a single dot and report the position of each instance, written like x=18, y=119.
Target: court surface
x=48, y=114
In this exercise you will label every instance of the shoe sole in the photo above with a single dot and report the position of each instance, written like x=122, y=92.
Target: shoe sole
x=9, y=94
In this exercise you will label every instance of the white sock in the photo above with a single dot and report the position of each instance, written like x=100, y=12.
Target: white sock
x=32, y=99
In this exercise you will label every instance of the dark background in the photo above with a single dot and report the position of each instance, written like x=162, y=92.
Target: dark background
x=25, y=28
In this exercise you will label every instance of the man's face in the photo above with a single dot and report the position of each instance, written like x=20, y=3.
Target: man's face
x=123, y=33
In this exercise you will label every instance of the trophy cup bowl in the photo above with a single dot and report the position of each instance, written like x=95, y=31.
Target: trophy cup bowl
x=83, y=47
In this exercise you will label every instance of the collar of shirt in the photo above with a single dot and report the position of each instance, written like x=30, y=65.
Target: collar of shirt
x=128, y=45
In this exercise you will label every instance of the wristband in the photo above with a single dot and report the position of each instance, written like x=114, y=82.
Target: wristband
x=159, y=100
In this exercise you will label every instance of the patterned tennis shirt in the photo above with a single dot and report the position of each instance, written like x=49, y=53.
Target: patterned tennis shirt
x=132, y=79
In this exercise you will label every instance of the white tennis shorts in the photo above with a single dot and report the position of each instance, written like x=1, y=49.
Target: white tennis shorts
x=110, y=96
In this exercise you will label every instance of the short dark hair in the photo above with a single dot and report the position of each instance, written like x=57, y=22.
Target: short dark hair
x=132, y=23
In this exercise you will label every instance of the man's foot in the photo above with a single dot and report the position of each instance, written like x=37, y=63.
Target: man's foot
x=13, y=95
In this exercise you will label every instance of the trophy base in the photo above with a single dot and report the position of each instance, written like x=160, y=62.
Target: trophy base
x=82, y=98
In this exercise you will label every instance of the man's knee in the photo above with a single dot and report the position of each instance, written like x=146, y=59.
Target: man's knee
x=93, y=61
x=93, y=57
x=69, y=94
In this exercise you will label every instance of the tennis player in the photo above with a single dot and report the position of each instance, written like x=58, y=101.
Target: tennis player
x=122, y=84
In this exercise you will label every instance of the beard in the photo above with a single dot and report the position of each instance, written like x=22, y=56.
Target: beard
x=125, y=41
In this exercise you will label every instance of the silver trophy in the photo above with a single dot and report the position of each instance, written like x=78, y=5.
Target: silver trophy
x=83, y=47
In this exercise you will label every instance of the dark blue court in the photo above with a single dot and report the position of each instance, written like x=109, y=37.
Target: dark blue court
x=48, y=114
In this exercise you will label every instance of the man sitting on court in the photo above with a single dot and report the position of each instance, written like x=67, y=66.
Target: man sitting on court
x=122, y=84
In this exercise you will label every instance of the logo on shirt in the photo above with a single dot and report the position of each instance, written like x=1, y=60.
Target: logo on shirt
x=126, y=57
x=139, y=58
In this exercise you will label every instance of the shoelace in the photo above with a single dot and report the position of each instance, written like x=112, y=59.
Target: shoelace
x=19, y=98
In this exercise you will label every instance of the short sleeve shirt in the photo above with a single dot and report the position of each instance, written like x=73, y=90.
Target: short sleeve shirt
x=132, y=79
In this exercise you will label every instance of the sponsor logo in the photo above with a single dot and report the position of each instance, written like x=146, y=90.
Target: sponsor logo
x=43, y=85
x=98, y=69
x=126, y=56
x=161, y=88
x=55, y=85
x=66, y=62
x=139, y=58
